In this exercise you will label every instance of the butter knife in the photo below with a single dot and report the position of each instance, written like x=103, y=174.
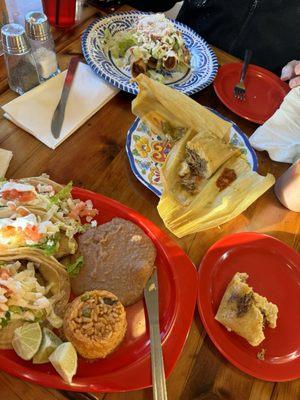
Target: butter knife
x=157, y=363
x=59, y=113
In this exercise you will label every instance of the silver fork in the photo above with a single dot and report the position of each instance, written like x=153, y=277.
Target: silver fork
x=239, y=90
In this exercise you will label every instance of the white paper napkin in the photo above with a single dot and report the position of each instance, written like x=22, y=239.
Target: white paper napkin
x=280, y=134
x=33, y=110
x=5, y=157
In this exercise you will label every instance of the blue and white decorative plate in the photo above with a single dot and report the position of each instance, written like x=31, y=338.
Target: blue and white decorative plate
x=203, y=68
x=147, y=152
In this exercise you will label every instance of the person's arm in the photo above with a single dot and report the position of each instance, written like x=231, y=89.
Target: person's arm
x=152, y=5
x=291, y=73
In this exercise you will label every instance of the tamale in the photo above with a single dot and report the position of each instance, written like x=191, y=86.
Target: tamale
x=167, y=111
x=212, y=207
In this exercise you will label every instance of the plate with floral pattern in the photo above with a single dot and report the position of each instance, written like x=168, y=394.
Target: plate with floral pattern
x=147, y=152
x=202, y=72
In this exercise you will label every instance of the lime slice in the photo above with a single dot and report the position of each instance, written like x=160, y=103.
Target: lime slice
x=64, y=360
x=27, y=339
x=49, y=343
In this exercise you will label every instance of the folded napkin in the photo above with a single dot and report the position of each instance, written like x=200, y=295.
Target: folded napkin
x=33, y=110
x=280, y=134
x=5, y=157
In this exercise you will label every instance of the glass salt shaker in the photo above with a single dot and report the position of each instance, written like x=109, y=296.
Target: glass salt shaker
x=42, y=44
x=20, y=65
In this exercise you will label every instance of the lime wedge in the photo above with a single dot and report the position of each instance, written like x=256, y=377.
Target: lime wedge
x=27, y=339
x=64, y=360
x=49, y=343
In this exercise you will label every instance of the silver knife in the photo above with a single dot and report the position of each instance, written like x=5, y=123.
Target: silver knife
x=157, y=363
x=59, y=113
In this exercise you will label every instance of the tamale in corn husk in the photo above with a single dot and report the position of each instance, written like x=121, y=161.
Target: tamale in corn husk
x=185, y=212
x=169, y=112
x=206, y=181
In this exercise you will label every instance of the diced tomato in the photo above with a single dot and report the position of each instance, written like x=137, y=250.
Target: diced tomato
x=8, y=291
x=32, y=233
x=4, y=273
x=22, y=197
x=8, y=231
x=81, y=210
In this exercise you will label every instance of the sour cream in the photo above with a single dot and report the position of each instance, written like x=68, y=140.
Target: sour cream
x=20, y=187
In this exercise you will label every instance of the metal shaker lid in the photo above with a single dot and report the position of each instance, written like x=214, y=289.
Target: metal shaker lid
x=14, y=39
x=37, y=26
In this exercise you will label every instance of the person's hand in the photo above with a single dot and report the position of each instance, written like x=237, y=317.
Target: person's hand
x=291, y=72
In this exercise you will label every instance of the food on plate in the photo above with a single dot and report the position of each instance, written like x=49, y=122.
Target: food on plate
x=214, y=201
x=64, y=360
x=95, y=323
x=27, y=339
x=206, y=180
x=204, y=155
x=49, y=343
x=33, y=288
x=38, y=212
x=245, y=312
x=153, y=46
x=170, y=113
x=117, y=256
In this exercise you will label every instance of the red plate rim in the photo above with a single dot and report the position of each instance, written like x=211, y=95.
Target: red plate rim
x=174, y=339
x=203, y=301
x=261, y=70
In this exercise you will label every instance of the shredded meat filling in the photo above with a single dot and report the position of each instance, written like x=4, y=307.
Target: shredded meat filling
x=152, y=63
x=137, y=68
x=196, y=164
x=226, y=178
x=243, y=303
x=191, y=171
x=170, y=63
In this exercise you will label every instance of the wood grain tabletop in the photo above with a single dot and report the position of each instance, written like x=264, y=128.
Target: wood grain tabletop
x=94, y=157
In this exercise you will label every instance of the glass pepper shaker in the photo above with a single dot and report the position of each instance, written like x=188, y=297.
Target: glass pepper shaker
x=20, y=65
x=42, y=44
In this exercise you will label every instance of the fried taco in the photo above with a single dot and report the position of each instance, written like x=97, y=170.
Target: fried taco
x=42, y=213
x=33, y=288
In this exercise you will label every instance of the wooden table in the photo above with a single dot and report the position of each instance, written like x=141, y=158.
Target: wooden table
x=95, y=158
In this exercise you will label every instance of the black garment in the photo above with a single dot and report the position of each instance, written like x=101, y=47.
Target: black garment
x=271, y=28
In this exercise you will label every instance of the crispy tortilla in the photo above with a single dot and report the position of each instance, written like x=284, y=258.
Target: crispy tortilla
x=65, y=243
x=52, y=271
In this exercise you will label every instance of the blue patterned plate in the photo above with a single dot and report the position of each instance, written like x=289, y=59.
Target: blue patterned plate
x=203, y=68
x=147, y=152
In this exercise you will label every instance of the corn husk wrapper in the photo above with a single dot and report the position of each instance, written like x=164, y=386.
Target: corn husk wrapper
x=157, y=103
x=184, y=214
x=52, y=272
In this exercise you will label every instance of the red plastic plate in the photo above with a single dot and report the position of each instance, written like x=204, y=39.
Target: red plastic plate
x=264, y=91
x=274, y=272
x=129, y=368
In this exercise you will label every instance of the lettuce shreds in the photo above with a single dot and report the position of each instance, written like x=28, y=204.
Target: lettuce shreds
x=4, y=321
x=74, y=268
x=49, y=246
x=63, y=194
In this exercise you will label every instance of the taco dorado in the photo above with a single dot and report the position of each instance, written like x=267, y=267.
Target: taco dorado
x=33, y=288
x=41, y=213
